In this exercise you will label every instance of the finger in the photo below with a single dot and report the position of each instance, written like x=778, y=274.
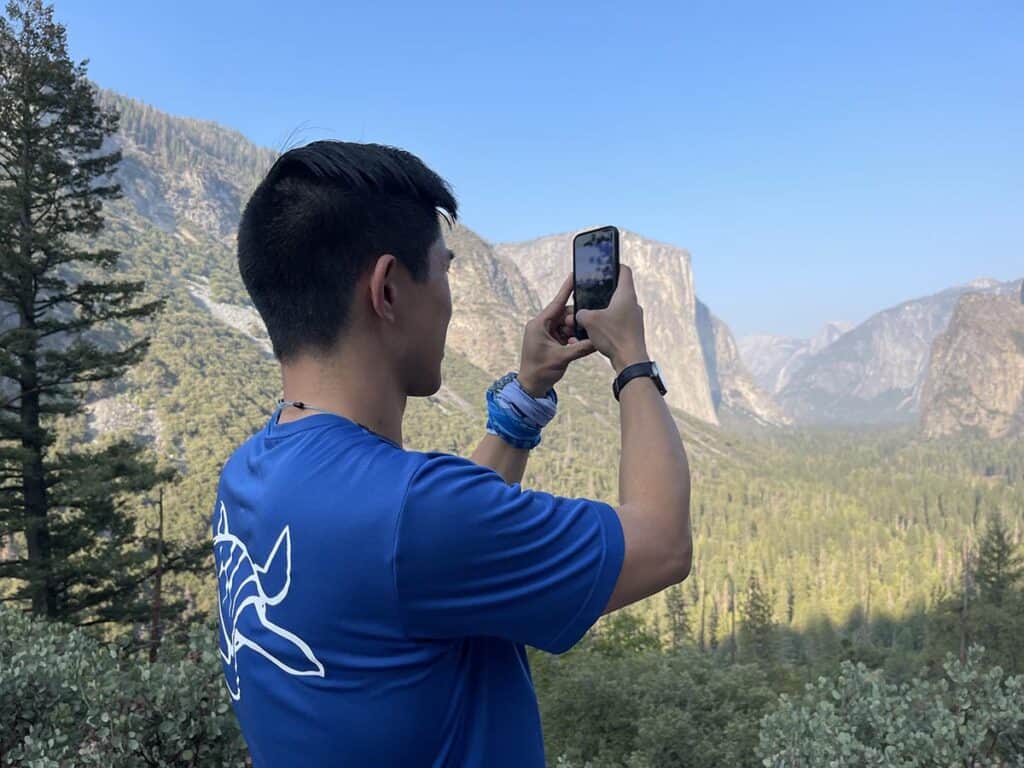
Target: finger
x=555, y=307
x=576, y=350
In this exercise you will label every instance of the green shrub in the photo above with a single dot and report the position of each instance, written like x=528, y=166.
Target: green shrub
x=970, y=717
x=648, y=709
x=67, y=700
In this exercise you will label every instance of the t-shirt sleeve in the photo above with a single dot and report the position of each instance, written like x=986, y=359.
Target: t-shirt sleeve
x=477, y=556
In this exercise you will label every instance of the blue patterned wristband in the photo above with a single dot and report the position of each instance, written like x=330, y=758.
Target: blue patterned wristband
x=514, y=415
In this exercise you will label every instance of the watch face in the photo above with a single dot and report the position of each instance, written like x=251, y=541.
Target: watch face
x=656, y=369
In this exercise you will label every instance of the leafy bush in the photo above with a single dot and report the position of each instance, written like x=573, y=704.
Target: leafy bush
x=970, y=717
x=67, y=700
x=648, y=708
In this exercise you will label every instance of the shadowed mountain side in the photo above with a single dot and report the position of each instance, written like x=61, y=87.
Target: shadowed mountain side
x=732, y=387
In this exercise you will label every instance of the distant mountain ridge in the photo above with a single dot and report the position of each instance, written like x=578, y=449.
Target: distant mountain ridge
x=184, y=182
x=870, y=374
x=773, y=359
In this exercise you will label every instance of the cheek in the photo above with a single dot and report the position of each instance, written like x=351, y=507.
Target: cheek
x=447, y=299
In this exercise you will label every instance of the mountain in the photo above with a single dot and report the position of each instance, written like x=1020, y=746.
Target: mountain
x=773, y=359
x=184, y=175
x=873, y=373
x=975, y=378
x=733, y=388
x=663, y=277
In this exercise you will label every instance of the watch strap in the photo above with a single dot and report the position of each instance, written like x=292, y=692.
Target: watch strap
x=634, y=371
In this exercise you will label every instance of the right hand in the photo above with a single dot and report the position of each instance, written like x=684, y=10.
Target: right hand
x=618, y=330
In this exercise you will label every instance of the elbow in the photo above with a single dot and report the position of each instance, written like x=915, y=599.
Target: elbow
x=685, y=549
x=685, y=560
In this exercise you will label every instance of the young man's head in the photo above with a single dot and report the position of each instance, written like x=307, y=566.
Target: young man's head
x=341, y=244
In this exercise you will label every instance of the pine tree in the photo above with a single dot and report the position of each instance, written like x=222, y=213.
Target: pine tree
x=698, y=599
x=999, y=568
x=713, y=626
x=71, y=509
x=678, y=615
x=757, y=633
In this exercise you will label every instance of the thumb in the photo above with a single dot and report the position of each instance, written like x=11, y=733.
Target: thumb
x=576, y=350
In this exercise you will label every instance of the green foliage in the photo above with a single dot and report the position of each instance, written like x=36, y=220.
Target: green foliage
x=969, y=717
x=67, y=700
x=648, y=709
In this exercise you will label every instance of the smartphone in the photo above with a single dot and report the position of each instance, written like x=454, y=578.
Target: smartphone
x=595, y=270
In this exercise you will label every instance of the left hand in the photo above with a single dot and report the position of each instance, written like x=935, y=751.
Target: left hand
x=549, y=345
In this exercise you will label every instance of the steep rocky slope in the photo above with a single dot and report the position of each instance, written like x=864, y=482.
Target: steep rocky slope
x=733, y=388
x=975, y=378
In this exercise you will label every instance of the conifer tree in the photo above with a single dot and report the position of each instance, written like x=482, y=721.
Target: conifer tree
x=678, y=615
x=757, y=633
x=66, y=517
x=999, y=567
x=713, y=626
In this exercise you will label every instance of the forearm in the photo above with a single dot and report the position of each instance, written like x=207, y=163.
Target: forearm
x=654, y=473
x=507, y=461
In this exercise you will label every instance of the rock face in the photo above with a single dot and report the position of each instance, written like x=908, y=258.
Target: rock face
x=873, y=374
x=732, y=386
x=975, y=378
x=491, y=303
x=774, y=359
x=664, y=284
x=182, y=173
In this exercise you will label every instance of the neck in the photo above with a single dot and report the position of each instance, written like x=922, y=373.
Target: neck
x=352, y=383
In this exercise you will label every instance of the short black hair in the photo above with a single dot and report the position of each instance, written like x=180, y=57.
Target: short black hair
x=319, y=219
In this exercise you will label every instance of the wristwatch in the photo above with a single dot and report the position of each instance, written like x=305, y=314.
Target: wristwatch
x=630, y=372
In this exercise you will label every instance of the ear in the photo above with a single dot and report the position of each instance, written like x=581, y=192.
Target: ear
x=383, y=286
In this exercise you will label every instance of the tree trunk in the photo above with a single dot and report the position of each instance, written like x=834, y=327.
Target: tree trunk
x=37, y=532
x=154, y=628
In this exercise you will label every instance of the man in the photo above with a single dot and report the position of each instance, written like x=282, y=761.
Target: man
x=375, y=602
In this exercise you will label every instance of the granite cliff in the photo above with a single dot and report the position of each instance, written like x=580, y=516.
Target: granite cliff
x=975, y=378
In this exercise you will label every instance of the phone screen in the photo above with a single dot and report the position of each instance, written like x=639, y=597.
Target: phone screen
x=595, y=259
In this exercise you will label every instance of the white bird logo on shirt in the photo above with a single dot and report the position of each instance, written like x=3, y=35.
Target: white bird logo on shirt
x=240, y=586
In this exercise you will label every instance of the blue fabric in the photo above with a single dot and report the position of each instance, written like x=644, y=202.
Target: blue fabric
x=535, y=411
x=508, y=425
x=376, y=602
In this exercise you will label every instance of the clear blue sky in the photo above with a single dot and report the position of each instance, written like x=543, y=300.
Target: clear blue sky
x=820, y=160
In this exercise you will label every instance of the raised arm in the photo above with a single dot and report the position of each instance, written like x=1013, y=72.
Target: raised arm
x=654, y=475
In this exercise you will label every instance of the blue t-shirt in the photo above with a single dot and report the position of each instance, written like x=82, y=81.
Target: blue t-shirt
x=375, y=602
